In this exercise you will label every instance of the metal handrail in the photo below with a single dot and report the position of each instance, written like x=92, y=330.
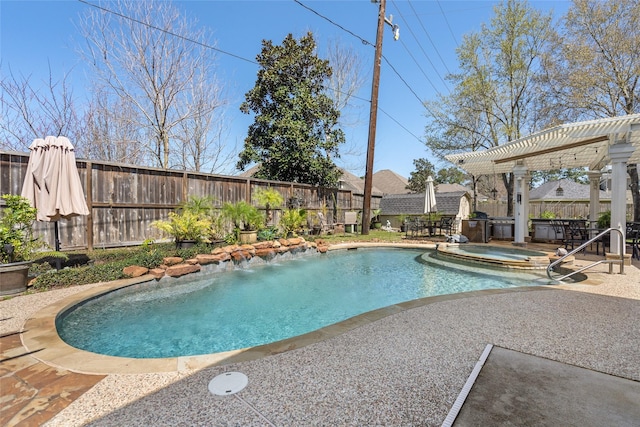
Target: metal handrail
x=584, y=245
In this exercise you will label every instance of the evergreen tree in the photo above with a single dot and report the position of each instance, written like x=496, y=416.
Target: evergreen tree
x=295, y=136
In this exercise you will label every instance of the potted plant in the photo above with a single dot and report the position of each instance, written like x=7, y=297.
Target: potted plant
x=604, y=220
x=186, y=227
x=403, y=222
x=292, y=221
x=245, y=219
x=18, y=245
x=270, y=199
x=189, y=224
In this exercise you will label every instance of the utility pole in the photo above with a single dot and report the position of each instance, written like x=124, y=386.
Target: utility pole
x=373, y=114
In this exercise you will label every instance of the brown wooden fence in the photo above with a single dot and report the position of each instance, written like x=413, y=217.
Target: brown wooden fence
x=561, y=209
x=125, y=199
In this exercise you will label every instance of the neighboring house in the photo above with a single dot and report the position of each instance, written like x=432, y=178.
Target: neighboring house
x=349, y=181
x=568, y=199
x=390, y=182
x=563, y=190
x=456, y=203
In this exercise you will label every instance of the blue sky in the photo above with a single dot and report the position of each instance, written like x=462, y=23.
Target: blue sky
x=37, y=33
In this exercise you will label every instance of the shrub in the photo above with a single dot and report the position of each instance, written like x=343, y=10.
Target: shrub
x=547, y=215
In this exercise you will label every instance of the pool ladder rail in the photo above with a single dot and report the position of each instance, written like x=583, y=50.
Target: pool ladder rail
x=603, y=261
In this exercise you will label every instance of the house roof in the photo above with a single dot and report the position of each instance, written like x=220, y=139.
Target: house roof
x=448, y=188
x=390, y=182
x=349, y=180
x=571, y=191
x=413, y=204
x=356, y=184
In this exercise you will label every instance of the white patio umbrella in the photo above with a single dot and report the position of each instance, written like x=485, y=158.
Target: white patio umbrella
x=429, y=199
x=52, y=183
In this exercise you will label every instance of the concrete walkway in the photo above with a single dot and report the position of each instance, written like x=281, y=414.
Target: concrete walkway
x=403, y=368
x=515, y=388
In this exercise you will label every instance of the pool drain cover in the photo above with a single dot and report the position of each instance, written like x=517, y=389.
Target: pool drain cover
x=228, y=383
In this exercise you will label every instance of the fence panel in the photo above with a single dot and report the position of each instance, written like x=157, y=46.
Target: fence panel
x=125, y=199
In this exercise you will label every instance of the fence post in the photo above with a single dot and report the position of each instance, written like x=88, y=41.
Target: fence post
x=89, y=185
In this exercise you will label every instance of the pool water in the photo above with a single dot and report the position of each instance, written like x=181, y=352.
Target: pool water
x=246, y=308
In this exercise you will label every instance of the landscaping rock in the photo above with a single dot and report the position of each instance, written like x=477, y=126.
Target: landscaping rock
x=241, y=255
x=158, y=273
x=182, y=269
x=172, y=260
x=135, y=271
x=263, y=245
x=266, y=253
x=204, y=259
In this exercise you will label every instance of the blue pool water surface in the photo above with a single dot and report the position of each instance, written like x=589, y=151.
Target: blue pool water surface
x=245, y=308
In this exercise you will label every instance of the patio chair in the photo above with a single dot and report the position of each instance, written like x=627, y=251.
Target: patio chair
x=446, y=225
x=577, y=234
x=324, y=226
x=559, y=229
x=633, y=238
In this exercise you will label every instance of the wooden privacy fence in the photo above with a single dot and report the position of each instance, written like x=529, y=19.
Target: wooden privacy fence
x=125, y=199
x=561, y=209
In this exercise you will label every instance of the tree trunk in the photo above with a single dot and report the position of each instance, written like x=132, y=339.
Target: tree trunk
x=507, y=179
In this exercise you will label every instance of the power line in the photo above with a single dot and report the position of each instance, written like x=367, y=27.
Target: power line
x=447, y=21
x=423, y=51
x=365, y=42
x=428, y=36
x=400, y=124
x=146, y=24
x=207, y=46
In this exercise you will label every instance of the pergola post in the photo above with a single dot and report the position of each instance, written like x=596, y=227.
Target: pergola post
x=521, y=201
x=594, y=199
x=619, y=153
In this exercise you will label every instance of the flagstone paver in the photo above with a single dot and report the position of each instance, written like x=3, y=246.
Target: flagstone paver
x=32, y=392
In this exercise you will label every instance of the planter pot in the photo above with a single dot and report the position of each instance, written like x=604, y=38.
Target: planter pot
x=184, y=244
x=14, y=277
x=248, y=237
x=377, y=225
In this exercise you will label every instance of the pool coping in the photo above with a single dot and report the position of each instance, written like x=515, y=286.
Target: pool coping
x=40, y=336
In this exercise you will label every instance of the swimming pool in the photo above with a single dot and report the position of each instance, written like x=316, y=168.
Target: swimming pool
x=246, y=308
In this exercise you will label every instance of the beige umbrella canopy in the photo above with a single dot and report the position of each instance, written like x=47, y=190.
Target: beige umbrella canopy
x=52, y=183
x=430, y=197
x=430, y=201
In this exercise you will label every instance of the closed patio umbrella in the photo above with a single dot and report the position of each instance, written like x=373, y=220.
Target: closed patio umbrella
x=429, y=200
x=52, y=183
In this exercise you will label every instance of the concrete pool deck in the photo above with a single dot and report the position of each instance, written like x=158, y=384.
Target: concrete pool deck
x=403, y=366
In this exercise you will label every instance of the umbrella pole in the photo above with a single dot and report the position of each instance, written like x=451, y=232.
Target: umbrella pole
x=56, y=234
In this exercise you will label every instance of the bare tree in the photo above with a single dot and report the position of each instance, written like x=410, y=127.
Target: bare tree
x=32, y=111
x=347, y=77
x=149, y=56
x=202, y=131
x=111, y=131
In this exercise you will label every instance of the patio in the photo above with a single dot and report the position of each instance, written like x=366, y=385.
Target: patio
x=403, y=365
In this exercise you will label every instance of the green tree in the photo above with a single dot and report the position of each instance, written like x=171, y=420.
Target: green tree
x=295, y=136
x=418, y=178
x=450, y=175
x=593, y=68
x=497, y=91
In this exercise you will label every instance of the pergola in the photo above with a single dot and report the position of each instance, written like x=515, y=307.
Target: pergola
x=593, y=144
